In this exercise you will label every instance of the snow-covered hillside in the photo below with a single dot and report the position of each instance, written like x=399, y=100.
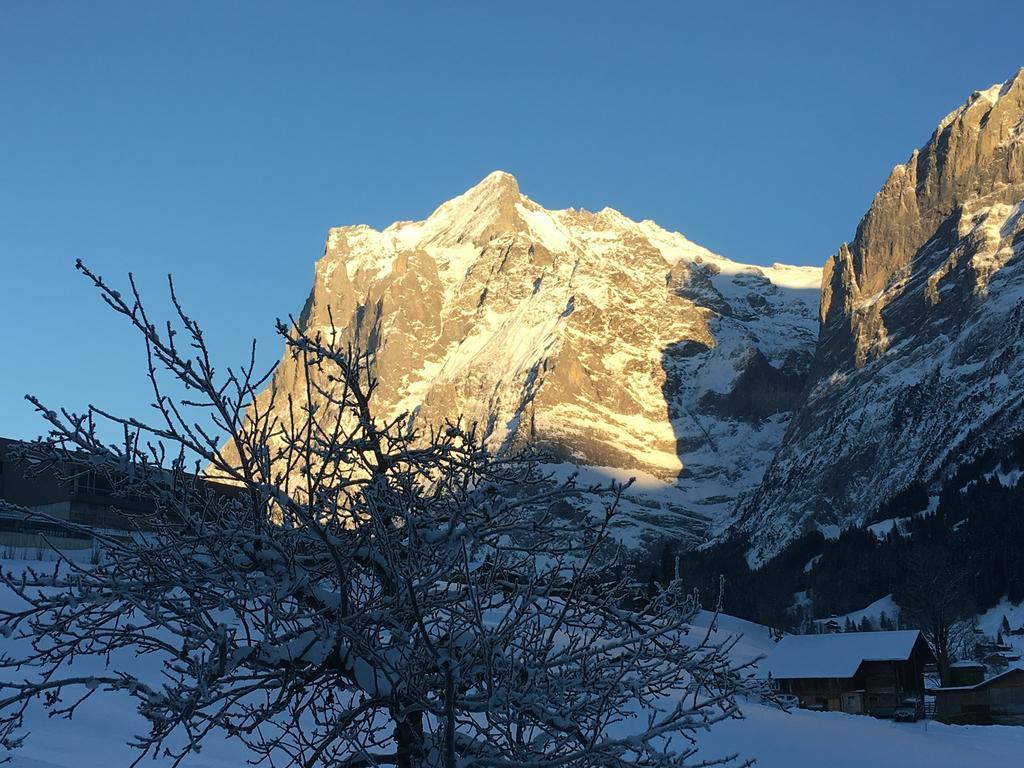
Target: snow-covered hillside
x=991, y=623
x=883, y=607
x=611, y=342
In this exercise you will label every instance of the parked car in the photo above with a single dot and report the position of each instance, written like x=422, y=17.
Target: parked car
x=908, y=711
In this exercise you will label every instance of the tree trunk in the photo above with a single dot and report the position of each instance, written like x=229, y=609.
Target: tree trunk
x=449, y=725
x=409, y=740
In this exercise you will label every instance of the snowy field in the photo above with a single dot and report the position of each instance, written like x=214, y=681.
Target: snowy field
x=97, y=736
x=801, y=739
x=804, y=739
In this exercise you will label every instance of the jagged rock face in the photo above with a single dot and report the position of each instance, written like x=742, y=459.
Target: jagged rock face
x=613, y=343
x=918, y=365
x=976, y=158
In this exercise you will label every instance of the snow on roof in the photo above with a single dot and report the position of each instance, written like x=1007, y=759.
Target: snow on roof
x=983, y=684
x=837, y=655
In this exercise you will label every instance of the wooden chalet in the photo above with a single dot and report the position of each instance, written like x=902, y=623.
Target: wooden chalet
x=997, y=699
x=856, y=672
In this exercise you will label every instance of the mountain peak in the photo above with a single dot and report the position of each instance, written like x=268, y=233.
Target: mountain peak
x=586, y=334
x=1004, y=97
x=499, y=180
x=916, y=368
x=480, y=211
x=496, y=190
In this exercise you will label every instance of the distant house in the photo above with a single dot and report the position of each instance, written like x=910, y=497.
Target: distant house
x=998, y=699
x=963, y=673
x=65, y=491
x=856, y=672
x=831, y=626
x=73, y=494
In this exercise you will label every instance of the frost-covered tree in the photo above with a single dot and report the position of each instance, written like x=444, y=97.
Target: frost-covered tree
x=349, y=592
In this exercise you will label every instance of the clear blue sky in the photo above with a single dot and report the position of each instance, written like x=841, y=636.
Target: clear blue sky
x=220, y=140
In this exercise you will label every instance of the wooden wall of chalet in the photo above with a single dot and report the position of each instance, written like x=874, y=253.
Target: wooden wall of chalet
x=42, y=488
x=997, y=700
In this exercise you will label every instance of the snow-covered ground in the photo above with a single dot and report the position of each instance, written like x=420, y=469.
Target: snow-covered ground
x=97, y=736
x=991, y=621
x=805, y=739
x=797, y=739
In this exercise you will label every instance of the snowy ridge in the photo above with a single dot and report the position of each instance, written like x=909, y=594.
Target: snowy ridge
x=613, y=343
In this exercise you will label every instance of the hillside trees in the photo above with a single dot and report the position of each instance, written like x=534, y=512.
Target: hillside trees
x=975, y=526
x=350, y=592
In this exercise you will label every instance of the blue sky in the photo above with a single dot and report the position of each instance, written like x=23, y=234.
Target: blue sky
x=219, y=141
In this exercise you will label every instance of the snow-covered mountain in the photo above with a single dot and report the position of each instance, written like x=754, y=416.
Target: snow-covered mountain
x=628, y=349
x=920, y=363
x=616, y=344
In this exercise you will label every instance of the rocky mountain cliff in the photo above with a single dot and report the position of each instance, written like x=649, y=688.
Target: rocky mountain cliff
x=616, y=344
x=741, y=401
x=920, y=362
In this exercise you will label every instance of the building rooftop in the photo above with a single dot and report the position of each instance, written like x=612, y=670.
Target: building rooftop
x=836, y=655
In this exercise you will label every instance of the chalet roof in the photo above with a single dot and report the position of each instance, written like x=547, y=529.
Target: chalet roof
x=983, y=684
x=838, y=655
